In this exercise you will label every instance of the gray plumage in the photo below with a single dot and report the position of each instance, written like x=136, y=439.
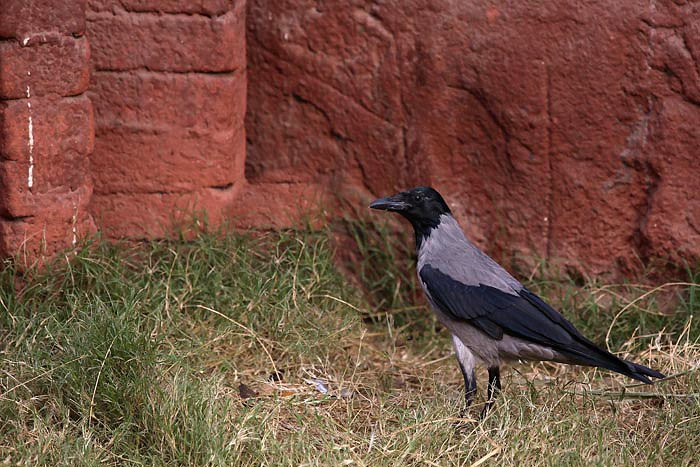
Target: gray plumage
x=493, y=318
x=448, y=250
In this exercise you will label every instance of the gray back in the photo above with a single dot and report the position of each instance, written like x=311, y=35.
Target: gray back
x=449, y=250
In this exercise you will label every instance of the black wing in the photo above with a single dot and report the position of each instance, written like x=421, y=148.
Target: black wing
x=525, y=316
x=494, y=311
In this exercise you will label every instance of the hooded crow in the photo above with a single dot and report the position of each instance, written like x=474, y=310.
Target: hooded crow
x=493, y=318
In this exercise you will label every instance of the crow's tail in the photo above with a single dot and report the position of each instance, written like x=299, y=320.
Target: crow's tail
x=590, y=354
x=640, y=372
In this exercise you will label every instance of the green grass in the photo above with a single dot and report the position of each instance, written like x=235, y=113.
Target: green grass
x=138, y=355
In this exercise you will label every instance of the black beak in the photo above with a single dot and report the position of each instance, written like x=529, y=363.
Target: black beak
x=391, y=203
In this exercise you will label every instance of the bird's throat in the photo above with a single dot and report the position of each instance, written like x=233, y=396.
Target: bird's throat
x=422, y=230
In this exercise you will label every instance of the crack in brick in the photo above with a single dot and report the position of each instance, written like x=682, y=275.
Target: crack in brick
x=639, y=237
x=9, y=218
x=505, y=133
x=121, y=10
x=550, y=167
x=690, y=90
x=145, y=69
x=273, y=57
x=103, y=126
x=226, y=187
x=333, y=133
x=43, y=96
x=313, y=105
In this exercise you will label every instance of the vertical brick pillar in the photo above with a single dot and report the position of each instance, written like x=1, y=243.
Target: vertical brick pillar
x=169, y=89
x=46, y=127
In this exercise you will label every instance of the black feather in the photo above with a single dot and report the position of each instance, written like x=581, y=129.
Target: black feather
x=523, y=315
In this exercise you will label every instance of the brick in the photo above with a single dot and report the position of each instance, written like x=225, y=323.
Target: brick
x=157, y=215
x=201, y=7
x=128, y=161
x=54, y=228
x=51, y=181
x=178, y=43
x=20, y=18
x=61, y=139
x=157, y=100
x=60, y=65
x=59, y=126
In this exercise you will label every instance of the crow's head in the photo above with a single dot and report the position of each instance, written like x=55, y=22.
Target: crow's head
x=422, y=206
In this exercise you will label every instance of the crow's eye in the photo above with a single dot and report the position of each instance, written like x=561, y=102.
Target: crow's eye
x=418, y=198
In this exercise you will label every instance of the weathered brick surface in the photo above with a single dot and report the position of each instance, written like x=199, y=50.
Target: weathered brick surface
x=169, y=110
x=178, y=43
x=53, y=64
x=135, y=161
x=55, y=227
x=58, y=125
x=49, y=186
x=22, y=19
x=670, y=225
x=281, y=205
x=46, y=128
x=169, y=101
x=61, y=140
x=170, y=96
x=149, y=215
x=203, y=7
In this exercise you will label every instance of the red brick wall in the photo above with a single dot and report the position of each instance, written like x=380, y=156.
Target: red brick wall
x=46, y=127
x=169, y=90
x=167, y=80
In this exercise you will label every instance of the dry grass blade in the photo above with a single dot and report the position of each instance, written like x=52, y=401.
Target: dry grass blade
x=248, y=330
x=39, y=376
x=486, y=457
x=633, y=395
x=667, y=378
x=640, y=298
x=97, y=381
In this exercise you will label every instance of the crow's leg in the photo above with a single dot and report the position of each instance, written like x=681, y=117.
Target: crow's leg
x=466, y=364
x=469, y=386
x=493, y=389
